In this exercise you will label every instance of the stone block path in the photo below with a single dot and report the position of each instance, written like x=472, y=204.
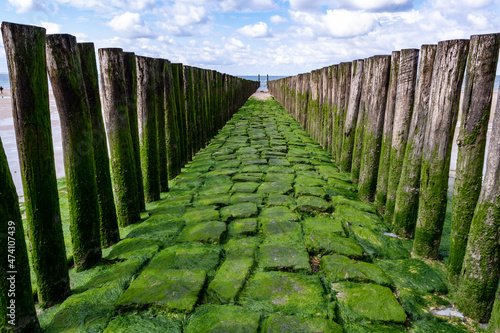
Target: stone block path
x=259, y=233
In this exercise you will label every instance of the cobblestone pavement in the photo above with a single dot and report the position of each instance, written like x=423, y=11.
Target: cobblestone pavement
x=259, y=233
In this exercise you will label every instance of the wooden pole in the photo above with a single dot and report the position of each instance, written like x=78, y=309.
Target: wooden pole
x=351, y=115
x=66, y=77
x=160, y=67
x=121, y=148
x=494, y=322
x=107, y=211
x=385, y=150
x=17, y=309
x=25, y=51
x=481, y=266
x=372, y=138
x=476, y=107
x=172, y=126
x=342, y=97
x=451, y=58
x=147, y=118
x=130, y=71
x=405, y=96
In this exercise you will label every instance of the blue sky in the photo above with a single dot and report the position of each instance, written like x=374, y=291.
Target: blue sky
x=250, y=37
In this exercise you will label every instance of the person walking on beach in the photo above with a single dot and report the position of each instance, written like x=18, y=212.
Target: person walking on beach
x=1, y=91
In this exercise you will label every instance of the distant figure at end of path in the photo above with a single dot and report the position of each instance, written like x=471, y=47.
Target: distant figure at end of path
x=1, y=91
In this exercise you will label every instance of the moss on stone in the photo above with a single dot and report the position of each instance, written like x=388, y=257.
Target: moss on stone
x=143, y=322
x=229, y=280
x=324, y=226
x=357, y=204
x=132, y=248
x=277, y=214
x=281, y=200
x=165, y=232
x=211, y=199
x=200, y=214
x=309, y=181
x=275, y=187
x=241, y=248
x=295, y=324
x=313, y=204
x=243, y=227
x=281, y=169
x=223, y=188
x=309, y=191
x=334, y=244
x=337, y=268
x=247, y=177
x=425, y=326
x=342, y=184
x=378, y=245
x=116, y=275
x=352, y=216
x=223, y=318
x=367, y=302
x=419, y=305
x=279, y=177
x=245, y=187
x=204, y=232
x=290, y=258
x=256, y=198
x=373, y=328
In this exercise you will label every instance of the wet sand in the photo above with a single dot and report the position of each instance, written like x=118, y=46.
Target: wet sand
x=9, y=140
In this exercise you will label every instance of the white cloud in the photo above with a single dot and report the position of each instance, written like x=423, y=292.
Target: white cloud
x=478, y=21
x=336, y=23
x=378, y=5
x=52, y=28
x=130, y=25
x=458, y=5
x=24, y=6
x=276, y=19
x=247, y=5
x=257, y=30
x=306, y=5
x=184, y=15
x=234, y=44
x=81, y=36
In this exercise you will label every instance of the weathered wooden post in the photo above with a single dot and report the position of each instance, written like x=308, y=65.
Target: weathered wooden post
x=107, y=211
x=121, y=148
x=342, y=96
x=405, y=96
x=178, y=89
x=494, y=322
x=362, y=115
x=172, y=126
x=130, y=71
x=476, y=107
x=25, y=51
x=17, y=311
x=406, y=201
x=449, y=68
x=351, y=115
x=160, y=66
x=65, y=72
x=148, y=135
x=329, y=111
x=481, y=266
x=385, y=150
x=372, y=138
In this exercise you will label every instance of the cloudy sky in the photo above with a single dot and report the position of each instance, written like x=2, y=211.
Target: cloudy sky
x=248, y=37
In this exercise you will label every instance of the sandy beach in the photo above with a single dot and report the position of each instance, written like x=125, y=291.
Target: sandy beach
x=8, y=137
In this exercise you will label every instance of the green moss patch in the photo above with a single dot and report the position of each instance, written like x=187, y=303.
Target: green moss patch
x=143, y=322
x=343, y=184
x=241, y=248
x=309, y=190
x=327, y=171
x=312, y=204
x=281, y=200
x=245, y=187
x=306, y=179
x=256, y=198
x=374, y=328
x=280, y=169
x=287, y=293
x=378, y=245
x=217, y=180
x=134, y=248
x=203, y=232
x=333, y=244
x=338, y=268
x=275, y=257
x=247, y=177
x=223, y=188
x=178, y=200
x=367, y=302
x=89, y=311
x=280, y=177
x=258, y=161
x=413, y=274
x=285, y=228
x=302, y=166
x=353, y=216
x=243, y=227
x=277, y=214
x=222, y=319
x=201, y=214
x=229, y=280
x=211, y=199
x=253, y=168
x=279, y=161
x=275, y=187
x=332, y=191
x=176, y=290
x=187, y=257
x=323, y=226
x=228, y=164
x=419, y=305
x=294, y=324
x=357, y=204
x=166, y=232
x=435, y=326
x=190, y=184
x=240, y=210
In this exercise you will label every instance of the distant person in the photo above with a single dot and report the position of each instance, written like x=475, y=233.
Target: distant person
x=1, y=91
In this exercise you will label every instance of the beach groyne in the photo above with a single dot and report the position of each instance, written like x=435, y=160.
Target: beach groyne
x=396, y=138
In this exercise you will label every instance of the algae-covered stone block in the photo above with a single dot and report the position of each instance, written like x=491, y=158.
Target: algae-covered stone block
x=134, y=248
x=89, y=311
x=228, y=164
x=175, y=290
x=201, y=214
x=367, y=302
x=282, y=169
x=143, y=322
x=256, y=198
x=332, y=191
x=114, y=275
x=302, y=166
x=279, y=161
x=241, y=248
x=338, y=268
x=353, y=216
x=245, y=187
x=275, y=187
x=281, y=200
x=189, y=184
x=285, y=257
x=216, y=188
x=287, y=293
x=323, y=226
x=277, y=214
x=279, y=177
x=343, y=184
x=165, y=232
x=229, y=280
x=357, y=204
x=243, y=227
x=203, y=232
x=211, y=199
x=258, y=161
x=277, y=323
x=178, y=200
x=187, y=257
x=435, y=326
x=378, y=245
x=413, y=274
x=222, y=319
x=312, y=204
x=281, y=228
x=247, y=177
x=374, y=328
x=217, y=180
x=309, y=191
x=240, y=210
x=334, y=244
x=306, y=179
x=418, y=305
x=246, y=150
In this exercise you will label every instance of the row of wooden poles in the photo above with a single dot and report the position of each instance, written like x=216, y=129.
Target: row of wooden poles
x=390, y=122
x=157, y=115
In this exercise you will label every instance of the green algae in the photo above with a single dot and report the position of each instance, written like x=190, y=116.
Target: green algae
x=229, y=280
x=223, y=318
x=143, y=322
x=320, y=244
x=295, y=324
x=360, y=205
x=186, y=256
x=204, y=232
x=165, y=231
x=301, y=190
x=246, y=187
x=280, y=177
x=419, y=305
x=367, y=302
x=256, y=198
x=239, y=210
x=200, y=214
x=245, y=227
x=277, y=256
x=424, y=326
x=277, y=214
x=378, y=245
x=116, y=275
x=275, y=187
x=211, y=199
x=281, y=200
x=312, y=204
x=132, y=248
x=241, y=248
x=338, y=268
